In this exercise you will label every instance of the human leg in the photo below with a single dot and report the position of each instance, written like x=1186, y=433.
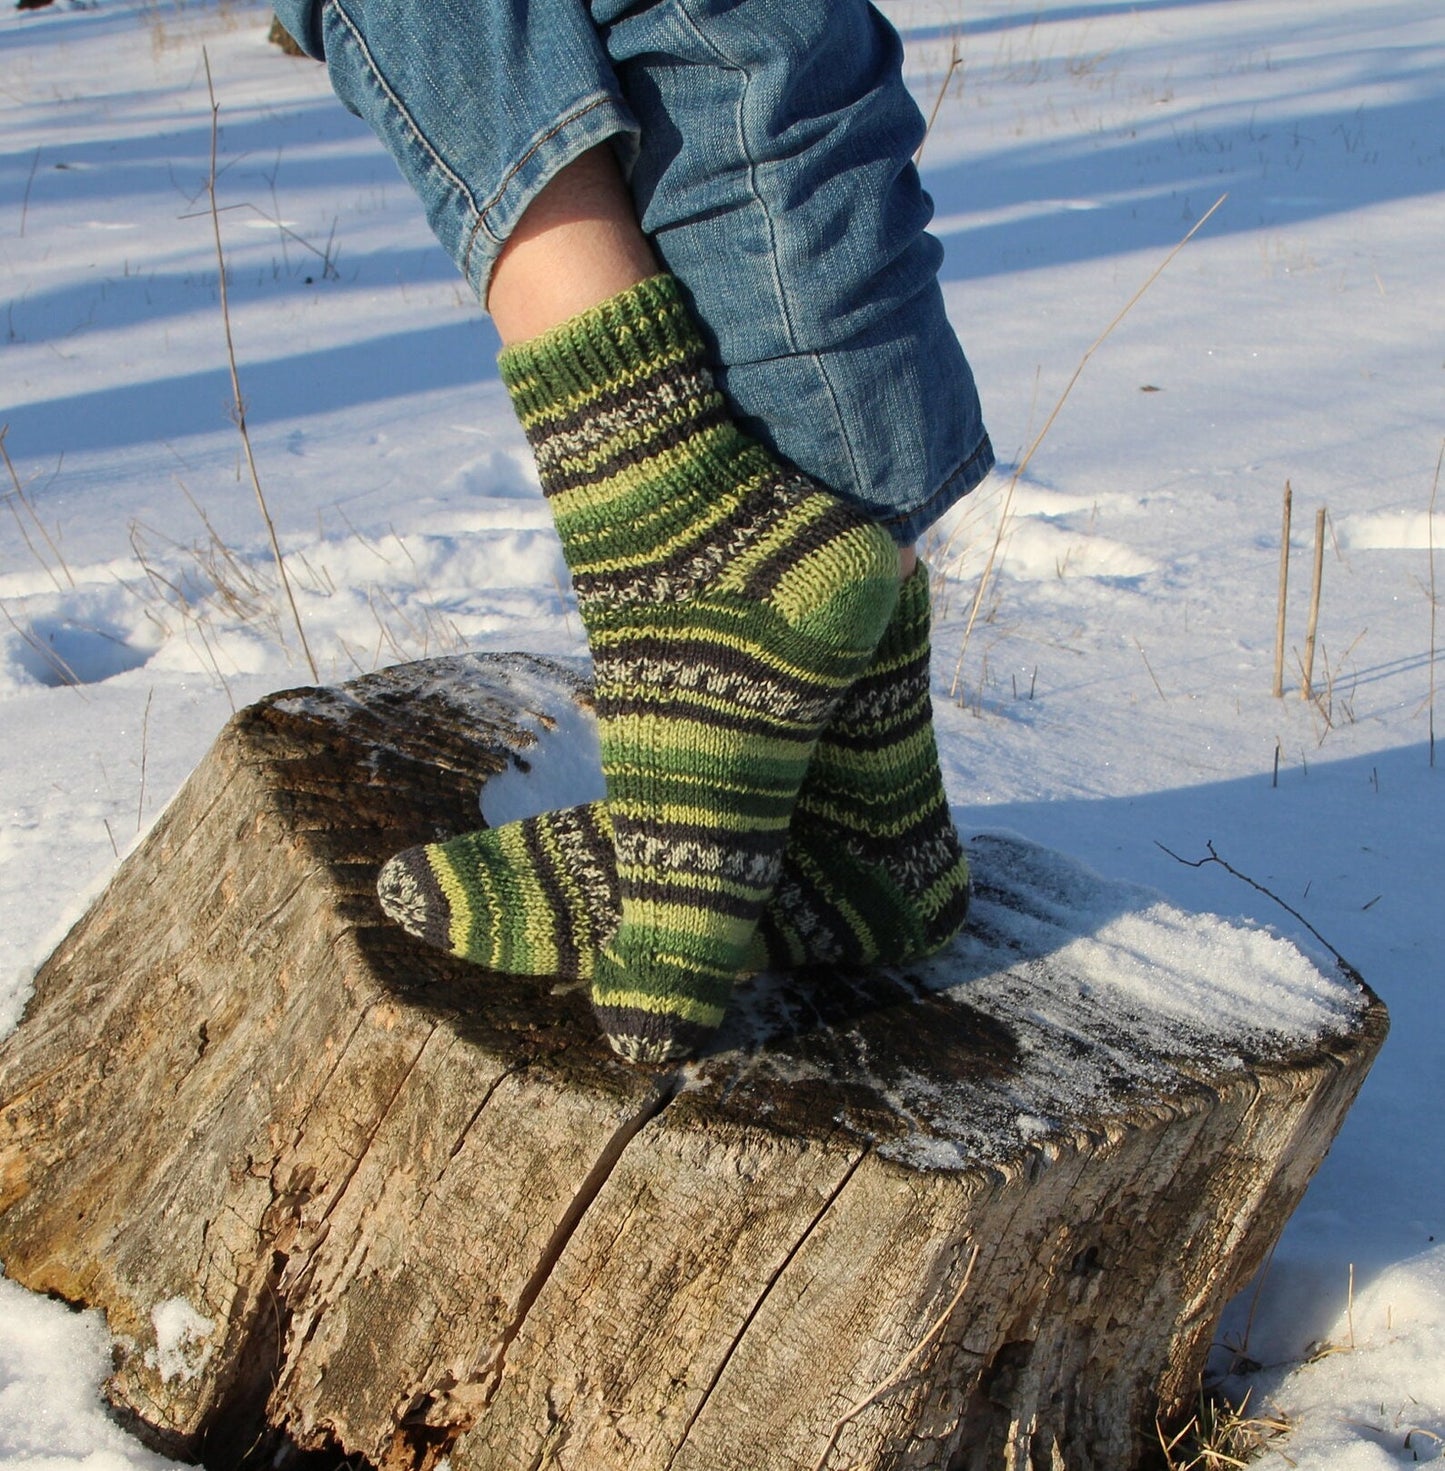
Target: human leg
x=577, y=245
x=772, y=173
x=729, y=604
x=383, y=73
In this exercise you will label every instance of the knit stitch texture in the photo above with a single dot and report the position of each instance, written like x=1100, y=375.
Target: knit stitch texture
x=729, y=604
x=873, y=871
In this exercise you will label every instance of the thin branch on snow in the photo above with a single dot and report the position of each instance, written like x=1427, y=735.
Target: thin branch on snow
x=1229, y=868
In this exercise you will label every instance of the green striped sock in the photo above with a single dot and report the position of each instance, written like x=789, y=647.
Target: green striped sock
x=729, y=604
x=873, y=871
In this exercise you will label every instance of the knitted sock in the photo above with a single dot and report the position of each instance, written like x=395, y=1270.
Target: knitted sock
x=729, y=604
x=873, y=871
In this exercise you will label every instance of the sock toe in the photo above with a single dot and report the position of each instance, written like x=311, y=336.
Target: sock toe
x=410, y=895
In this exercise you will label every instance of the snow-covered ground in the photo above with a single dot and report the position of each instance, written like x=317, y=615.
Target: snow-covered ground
x=1113, y=696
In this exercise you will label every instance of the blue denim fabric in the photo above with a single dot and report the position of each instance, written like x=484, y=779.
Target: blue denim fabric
x=768, y=146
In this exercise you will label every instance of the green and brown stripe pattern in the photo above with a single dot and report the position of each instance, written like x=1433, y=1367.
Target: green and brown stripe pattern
x=873, y=871
x=876, y=872
x=729, y=604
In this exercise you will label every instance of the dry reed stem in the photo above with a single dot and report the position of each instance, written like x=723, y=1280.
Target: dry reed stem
x=68, y=676
x=993, y=556
x=955, y=60
x=1279, y=622
x=1307, y=685
x=240, y=407
x=1324, y=702
x=904, y=1369
x=1225, y=1437
x=145, y=730
x=25, y=199
x=215, y=665
x=356, y=663
x=1258, y=1287
x=192, y=616
x=370, y=545
x=406, y=550
x=1158, y=687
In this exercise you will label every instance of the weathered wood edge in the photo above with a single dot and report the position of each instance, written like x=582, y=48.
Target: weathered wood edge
x=1342, y=1052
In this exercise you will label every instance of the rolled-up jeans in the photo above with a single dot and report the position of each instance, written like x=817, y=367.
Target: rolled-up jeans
x=768, y=147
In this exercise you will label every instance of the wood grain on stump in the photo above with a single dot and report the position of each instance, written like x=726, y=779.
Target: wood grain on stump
x=334, y=1189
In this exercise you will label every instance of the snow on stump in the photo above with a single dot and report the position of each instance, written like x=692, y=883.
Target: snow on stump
x=335, y=1191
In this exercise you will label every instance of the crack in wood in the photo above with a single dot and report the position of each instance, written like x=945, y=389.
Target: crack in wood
x=471, y=1123
x=303, y=1121
x=757, y=1307
x=421, y=1439
x=382, y=1116
x=292, y=1269
x=566, y=1227
x=267, y=920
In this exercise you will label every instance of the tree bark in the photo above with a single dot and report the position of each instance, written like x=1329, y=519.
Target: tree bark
x=333, y=1190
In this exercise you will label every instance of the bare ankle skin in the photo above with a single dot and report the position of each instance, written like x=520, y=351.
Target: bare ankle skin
x=577, y=245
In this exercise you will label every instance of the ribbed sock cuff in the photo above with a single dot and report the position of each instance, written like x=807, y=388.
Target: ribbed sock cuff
x=630, y=335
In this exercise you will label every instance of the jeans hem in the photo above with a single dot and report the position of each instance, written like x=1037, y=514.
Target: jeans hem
x=593, y=121
x=909, y=526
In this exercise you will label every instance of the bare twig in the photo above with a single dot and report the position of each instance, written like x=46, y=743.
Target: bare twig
x=1214, y=857
x=993, y=556
x=328, y=265
x=239, y=403
x=904, y=1369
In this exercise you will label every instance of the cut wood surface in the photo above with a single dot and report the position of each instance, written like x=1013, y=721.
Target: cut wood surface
x=336, y=1191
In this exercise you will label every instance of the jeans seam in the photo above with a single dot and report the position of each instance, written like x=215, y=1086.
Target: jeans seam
x=816, y=358
x=743, y=142
x=402, y=111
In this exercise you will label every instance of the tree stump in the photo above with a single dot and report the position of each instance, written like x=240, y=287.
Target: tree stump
x=335, y=1191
